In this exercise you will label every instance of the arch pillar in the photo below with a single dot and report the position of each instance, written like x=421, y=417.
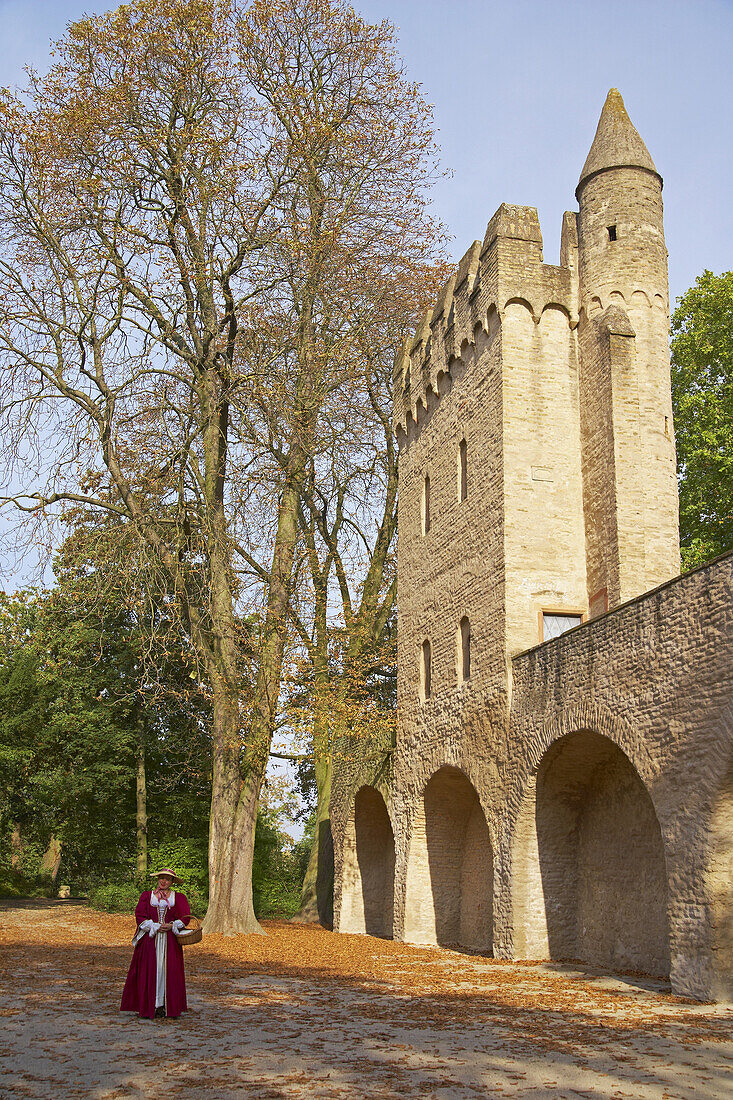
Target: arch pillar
x=719, y=890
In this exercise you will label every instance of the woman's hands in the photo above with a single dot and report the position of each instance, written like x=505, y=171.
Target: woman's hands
x=165, y=927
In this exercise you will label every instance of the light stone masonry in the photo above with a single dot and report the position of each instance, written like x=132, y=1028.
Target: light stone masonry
x=569, y=798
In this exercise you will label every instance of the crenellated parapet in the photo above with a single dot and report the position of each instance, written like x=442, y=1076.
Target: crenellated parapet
x=506, y=267
x=557, y=787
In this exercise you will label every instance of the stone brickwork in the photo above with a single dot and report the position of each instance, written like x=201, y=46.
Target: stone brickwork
x=571, y=798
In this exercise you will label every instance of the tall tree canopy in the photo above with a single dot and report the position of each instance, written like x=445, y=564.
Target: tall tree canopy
x=702, y=392
x=203, y=209
x=98, y=710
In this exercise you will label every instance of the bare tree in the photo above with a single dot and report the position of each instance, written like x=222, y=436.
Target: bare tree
x=345, y=622
x=187, y=200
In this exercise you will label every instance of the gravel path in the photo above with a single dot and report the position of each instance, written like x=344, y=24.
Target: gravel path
x=306, y=1013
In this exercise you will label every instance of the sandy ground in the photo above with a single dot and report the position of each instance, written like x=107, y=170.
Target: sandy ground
x=306, y=1013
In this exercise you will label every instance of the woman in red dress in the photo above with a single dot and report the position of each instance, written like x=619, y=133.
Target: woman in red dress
x=156, y=984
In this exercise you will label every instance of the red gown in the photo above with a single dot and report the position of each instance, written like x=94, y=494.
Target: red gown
x=139, y=992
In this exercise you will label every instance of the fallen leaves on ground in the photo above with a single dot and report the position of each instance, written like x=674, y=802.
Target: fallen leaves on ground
x=395, y=990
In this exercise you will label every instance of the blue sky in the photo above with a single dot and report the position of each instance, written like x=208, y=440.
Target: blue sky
x=517, y=88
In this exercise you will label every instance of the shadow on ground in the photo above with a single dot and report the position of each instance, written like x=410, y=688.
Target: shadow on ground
x=309, y=1013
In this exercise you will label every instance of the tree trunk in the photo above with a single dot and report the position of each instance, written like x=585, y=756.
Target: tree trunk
x=51, y=860
x=240, y=768
x=232, y=826
x=16, y=848
x=366, y=632
x=316, y=899
x=141, y=804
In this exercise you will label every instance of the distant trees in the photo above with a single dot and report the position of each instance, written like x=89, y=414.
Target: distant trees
x=702, y=394
x=204, y=209
x=95, y=736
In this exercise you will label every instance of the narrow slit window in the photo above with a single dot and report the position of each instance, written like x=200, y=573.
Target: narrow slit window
x=462, y=470
x=464, y=649
x=426, y=505
x=426, y=670
x=612, y=232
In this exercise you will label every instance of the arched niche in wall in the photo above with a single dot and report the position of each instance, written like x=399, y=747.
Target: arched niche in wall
x=589, y=878
x=367, y=884
x=449, y=897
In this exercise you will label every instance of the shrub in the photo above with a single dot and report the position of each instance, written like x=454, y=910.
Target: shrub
x=189, y=859
x=115, y=897
x=121, y=888
x=275, y=871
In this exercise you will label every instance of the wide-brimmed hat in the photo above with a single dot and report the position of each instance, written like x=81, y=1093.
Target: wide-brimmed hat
x=165, y=871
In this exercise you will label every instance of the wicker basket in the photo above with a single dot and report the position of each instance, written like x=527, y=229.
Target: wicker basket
x=191, y=934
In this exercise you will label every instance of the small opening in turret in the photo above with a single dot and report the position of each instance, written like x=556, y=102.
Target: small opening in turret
x=426, y=671
x=464, y=649
x=612, y=232
x=462, y=471
x=426, y=505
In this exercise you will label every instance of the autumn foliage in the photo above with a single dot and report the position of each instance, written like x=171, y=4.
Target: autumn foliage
x=207, y=210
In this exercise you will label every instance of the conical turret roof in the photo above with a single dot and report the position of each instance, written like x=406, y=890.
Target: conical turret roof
x=617, y=143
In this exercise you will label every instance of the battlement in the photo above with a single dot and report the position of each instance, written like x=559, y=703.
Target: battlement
x=538, y=491
x=506, y=267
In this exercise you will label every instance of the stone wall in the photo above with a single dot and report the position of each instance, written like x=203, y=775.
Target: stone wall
x=654, y=679
x=367, y=866
x=544, y=533
x=599, y=824
x=359, y=764
x=572, y=799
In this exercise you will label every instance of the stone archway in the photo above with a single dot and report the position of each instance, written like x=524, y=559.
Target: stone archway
x=367, y=885
x=449, y=896
x=589, y=878
x=719, y=888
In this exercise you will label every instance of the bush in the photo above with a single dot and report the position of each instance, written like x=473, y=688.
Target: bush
x=115, y=897
x=277, y=899
x=275, y=871
x=188, y=858
x=10, y=887
x=276, y=878
x=121, y=889
x=25, y=882
x=122, y=897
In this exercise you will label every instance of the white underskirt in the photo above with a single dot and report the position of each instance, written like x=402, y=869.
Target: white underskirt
x=161, y=944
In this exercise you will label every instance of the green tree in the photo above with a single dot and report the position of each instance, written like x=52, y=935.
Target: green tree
x=97, y=700
x=150, y=675
x=702, y=395
x=65, y=745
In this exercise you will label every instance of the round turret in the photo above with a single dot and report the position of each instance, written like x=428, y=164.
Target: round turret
x=620, y=225
x=624, y=377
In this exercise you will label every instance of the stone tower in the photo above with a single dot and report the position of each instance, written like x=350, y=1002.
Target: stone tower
x=553, y=792
x=628, y=454
x=534, y=413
